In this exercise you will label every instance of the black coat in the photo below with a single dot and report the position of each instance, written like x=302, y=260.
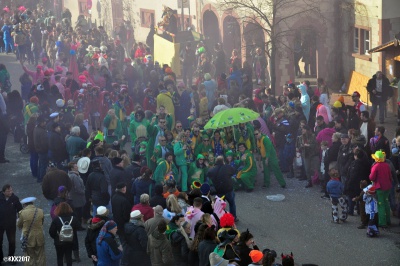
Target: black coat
x=97, y=188
x=221, y=176
x=92, y=234
x=121, y=208
x=133, y=170
x=56, y=225
x=204, y=250
x=358, y=170
x=58, y=150
x=345, y=157
x=8, y=210
x=118, y=175
x=158, y=200
x=243, y=251
x=180, y=249
x=387, y=91
x=135, y=246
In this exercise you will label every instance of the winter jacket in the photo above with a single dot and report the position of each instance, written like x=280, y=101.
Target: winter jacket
x=77, y=192
x=151, y=224
x=180, y=249
x=221, y=176
x=53, y=179
x=145, y=209
x=204, y=250
x=344, y=158
x=334, y=188
x=108, y=253
x=40, y=139
x=357, y=171
x=74, y=145
x=56, y=225
x=387, y=91
x=243, y=251
x=8, y=210
x=121, y=208
x=140, y=186
x=381, y=176
x=159, y=249
x=106, y=166
x=92, y=233
x=135, y=246
x=158, y=200
x=58, y=151
x=118, y=175
x=97, y=188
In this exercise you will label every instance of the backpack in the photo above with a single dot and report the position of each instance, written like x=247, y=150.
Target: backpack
x=66, y=234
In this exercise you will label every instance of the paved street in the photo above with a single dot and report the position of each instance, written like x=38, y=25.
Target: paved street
x=300, y=224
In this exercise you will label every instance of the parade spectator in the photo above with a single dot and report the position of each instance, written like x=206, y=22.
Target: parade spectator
x=159, y=247
x=121, y=209
x=144, y=207
x=109, y=251
x=94, y=227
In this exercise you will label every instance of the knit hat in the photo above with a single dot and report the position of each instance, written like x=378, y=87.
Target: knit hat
x=108, y=226
x=116, y=160
x=256, y=256
x=99, y=136
x=379, y=156
x=205, y=189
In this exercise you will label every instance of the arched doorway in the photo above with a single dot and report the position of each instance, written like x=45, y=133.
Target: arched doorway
x=232, y=36
x=253, y=35
x=210, y=29
x=307, y=37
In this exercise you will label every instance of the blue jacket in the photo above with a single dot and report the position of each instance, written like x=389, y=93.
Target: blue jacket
x=235, y=76
x=335, y=188
x=108, y=253
x=211, y=87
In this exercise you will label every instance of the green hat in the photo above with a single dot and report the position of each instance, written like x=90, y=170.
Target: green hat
x=200, y=156
x=229, y=153
x=143, y=143
x=205, y=136
x=99, y=136
x=379, y=156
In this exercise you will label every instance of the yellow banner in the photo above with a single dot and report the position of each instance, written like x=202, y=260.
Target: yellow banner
x=358, y=82
x=166, y=52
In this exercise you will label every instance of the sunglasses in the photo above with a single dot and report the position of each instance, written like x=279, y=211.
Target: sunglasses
x=162, y=122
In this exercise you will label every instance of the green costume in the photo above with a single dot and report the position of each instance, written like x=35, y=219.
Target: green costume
x=203, y=150
x=152, y=131
x=249, y=171
x=133, y=125
x=110, y=138
x=163, y=168
x=245, y=135
x=197, y=173
x=120, y=112
x=267, y=151
x=180, y=160
x=29, y=110
x=158, y=152
x=168, y=119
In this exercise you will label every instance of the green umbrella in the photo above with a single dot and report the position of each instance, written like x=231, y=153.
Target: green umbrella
x=231, y=117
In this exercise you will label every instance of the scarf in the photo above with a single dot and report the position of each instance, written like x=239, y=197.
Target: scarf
x=106, y=227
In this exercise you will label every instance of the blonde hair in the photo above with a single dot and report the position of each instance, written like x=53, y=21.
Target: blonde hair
x=112, y=154
x=173, y=205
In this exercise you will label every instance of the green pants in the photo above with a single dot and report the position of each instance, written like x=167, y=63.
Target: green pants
x=247, y=179
x=273, y=166
x=383, y=206
x=183, y=169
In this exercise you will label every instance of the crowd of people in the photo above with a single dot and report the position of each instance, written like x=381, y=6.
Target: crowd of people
x=118, y=145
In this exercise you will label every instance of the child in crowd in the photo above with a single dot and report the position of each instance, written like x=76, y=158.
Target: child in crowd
x=335, y=190
x=359, y=199
x=371, y=208
x=324, y=153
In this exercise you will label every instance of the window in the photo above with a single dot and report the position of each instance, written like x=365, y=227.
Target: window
x=366, y=41
x=146, y=17
x=83, y=10
x=356, y=41
x=361, y=42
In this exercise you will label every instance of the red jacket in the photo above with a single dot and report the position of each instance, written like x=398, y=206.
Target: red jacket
x=146, y=210
x=381, y=176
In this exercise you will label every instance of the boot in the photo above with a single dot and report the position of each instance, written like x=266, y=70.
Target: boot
x=76, y=256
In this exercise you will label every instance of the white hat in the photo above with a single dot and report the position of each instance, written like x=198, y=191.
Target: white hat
x=27, y=200
x=84, y=85
x=136, y=214
x=53, y=115
x=39, y=87
x=90, y=48
x=101, y=210
x=83, y=165
x=60, y=103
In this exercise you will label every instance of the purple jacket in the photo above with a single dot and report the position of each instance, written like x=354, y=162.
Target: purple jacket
x=326, y=134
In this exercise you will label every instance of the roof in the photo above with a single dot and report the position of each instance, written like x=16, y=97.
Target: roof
x=384, y=46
